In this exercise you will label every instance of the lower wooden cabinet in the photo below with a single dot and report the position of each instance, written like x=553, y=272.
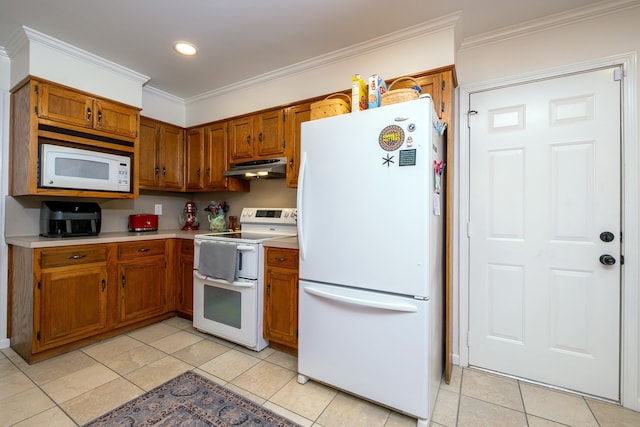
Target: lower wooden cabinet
x=70, y=295
x=184, y=279
x=142, y=280
x=62, y=298
x=281, y=298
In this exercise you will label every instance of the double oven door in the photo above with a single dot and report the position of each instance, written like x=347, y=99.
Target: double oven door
x=232, y=310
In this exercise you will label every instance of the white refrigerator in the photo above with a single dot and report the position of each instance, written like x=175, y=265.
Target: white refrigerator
x=370, y=206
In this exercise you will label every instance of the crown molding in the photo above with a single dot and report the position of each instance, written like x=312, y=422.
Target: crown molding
x=162, y=94
x=29, y=35
x=446, y=22
x=548, y=22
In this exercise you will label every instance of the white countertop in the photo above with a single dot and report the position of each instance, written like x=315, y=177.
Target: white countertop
x=284, y=242
x=125, y=236
x=107, y=237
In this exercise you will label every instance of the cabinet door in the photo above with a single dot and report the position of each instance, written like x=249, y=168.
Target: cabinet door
x=281, y=306
x=148, y=153
x=295, y=117
x=184, y=282
x=216, y=157
x=240, y=139
x=115, y=118
x=195, y=159
x=64, y=105
x=270, y=133
x=281, y=296
x=142, y=288
x=172, y=149
x=72, y=304
x=433, y=86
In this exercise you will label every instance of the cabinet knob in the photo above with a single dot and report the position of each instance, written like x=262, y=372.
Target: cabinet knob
x=88, y=113
x=144, y=249
x=76, y=256
x=281, y=259
x=260, y=137
x=99, y=116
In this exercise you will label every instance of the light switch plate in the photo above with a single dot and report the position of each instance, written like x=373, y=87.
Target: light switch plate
x=158, y=210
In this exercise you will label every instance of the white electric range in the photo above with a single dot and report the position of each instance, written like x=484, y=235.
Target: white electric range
x=228, y=275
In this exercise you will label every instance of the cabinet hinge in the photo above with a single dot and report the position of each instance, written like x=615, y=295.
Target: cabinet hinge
x=442, y=107
x=39, y=285
x=283, y=144
x=35, y=89
x=38, y=335
x=35, y=110
x=444, y=84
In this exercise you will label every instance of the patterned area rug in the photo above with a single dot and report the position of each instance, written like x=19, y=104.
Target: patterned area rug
x=191, y=400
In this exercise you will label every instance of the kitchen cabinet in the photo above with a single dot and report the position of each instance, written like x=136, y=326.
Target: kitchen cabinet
x=206, y=156
x=142, y=280
x=69, y=106
x=161, y=165
x=257, y=136
x=295, y=116
x=281, y=298
x=184, y=279
x=70, y=297
x=59, y=297
x=46, y=112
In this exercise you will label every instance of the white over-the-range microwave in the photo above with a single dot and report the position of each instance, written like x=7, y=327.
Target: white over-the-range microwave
x=81, y=169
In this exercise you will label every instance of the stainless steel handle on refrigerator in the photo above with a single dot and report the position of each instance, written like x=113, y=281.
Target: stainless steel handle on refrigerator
x=300, y=209
x=409, y=308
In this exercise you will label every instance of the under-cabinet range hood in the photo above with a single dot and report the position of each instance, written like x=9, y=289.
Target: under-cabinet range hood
x=259, y=169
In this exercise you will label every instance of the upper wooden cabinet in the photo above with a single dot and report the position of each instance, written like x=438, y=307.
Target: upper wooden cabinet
x=46, y=112
x=295, y=116
x=206, y=154
x=161, y=165
x=257, y=136
x=72, y=107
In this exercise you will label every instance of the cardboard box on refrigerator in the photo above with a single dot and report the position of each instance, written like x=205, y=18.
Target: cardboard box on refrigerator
x=376, y=88
x=359, y=94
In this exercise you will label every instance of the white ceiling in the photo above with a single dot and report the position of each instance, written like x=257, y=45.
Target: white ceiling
x=241, y=39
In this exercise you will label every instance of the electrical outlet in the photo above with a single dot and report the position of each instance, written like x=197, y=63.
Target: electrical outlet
x=158, y=210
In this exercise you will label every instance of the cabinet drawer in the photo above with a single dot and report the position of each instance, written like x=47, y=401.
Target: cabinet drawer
x=287, y=258
x=72, y=256
x=140, y=249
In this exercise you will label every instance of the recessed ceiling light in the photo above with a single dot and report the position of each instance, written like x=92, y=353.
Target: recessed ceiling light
x=185, y=48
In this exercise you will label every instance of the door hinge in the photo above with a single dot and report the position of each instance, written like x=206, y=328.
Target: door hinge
x=618, y=74
x=621, y=259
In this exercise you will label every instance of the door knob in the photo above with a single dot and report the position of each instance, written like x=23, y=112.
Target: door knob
x=606, y=236
x=607, y=259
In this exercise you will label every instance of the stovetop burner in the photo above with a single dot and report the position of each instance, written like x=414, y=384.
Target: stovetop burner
x=259, y=225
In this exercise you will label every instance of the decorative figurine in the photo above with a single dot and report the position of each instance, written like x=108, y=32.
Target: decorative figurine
x=190, y=220
x=216, y=216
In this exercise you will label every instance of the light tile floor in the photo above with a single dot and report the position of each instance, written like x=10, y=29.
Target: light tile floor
x=74, y=388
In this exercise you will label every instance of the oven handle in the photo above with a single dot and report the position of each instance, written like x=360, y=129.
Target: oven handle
x=212, y=280
x=246, y=248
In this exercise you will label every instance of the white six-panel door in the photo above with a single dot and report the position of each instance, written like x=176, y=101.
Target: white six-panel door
x=544, y=184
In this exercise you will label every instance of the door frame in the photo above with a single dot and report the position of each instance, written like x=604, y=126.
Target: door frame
x=630, y=274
